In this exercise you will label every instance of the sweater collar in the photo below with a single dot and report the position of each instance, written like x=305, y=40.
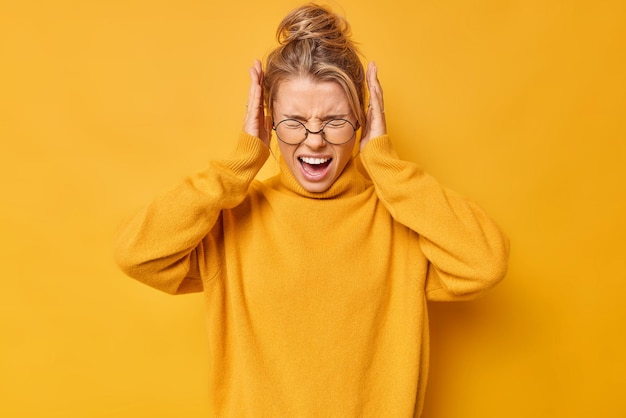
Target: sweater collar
x=349, y=183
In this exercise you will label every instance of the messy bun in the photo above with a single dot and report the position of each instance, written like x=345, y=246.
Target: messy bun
x=315, y=42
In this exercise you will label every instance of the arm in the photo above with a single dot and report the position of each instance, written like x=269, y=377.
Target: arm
x=468, y=253
x=161, y=246
x=158, y=246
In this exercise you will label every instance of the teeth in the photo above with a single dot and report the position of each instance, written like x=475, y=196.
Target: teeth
x=310, y=160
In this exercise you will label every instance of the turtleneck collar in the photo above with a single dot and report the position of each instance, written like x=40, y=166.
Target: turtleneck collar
x=349, y=183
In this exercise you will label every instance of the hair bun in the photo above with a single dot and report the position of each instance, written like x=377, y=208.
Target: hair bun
x=317, y=23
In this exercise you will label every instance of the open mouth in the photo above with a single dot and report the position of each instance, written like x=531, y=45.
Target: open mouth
x=314, y=167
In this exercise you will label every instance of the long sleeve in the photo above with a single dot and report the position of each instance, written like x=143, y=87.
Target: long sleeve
x=467, y=251
x=159, y=245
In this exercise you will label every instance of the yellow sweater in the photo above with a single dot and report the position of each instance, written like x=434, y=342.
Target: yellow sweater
x=316, y=302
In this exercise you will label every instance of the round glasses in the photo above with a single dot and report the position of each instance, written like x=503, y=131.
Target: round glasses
x=334, y=131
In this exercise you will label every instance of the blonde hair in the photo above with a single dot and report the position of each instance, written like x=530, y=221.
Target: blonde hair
x=315, y=42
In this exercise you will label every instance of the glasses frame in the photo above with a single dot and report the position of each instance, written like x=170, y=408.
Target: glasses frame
x=321, y=131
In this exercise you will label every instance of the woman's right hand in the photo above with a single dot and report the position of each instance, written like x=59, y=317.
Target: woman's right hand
x=256, y=123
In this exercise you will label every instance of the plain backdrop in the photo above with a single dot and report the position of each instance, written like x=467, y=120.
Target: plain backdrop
x=518, y=104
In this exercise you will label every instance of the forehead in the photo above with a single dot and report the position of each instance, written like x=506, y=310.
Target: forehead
x=307, y=97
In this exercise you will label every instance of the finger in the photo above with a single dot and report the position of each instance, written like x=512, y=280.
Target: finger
x=259, y=70
x=252, y=89
x=251, y=121
x=375, y=118
x=255, y=94
x=375, y=89
x=261, y=77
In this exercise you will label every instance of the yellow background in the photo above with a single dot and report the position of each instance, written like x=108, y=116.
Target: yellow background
x=519, y=104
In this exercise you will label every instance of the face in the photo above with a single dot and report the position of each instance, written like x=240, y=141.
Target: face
x=315, y=163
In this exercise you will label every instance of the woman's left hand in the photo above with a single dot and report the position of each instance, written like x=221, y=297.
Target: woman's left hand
x=375, y=123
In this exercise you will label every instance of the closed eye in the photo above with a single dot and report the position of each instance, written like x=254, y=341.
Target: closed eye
x=336, y=123
x=292, y=124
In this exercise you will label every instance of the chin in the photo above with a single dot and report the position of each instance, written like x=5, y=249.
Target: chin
x=316, y=187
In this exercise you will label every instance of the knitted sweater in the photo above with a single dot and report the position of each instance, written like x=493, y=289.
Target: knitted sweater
x=316, y=301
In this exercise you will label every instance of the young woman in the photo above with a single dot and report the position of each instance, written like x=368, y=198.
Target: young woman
x=316, y=280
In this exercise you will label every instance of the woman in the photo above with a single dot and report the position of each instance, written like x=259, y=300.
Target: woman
x=316, y=280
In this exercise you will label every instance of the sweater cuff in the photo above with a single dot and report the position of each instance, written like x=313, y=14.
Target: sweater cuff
x=249, y=154
x=380, y=152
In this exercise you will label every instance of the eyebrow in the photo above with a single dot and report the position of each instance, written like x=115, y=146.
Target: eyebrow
x=325, y=118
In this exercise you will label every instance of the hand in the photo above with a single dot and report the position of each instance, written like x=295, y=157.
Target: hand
x=255, y=122
x=375, y=123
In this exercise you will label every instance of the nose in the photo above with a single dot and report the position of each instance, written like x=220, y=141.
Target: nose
x=315, y=139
